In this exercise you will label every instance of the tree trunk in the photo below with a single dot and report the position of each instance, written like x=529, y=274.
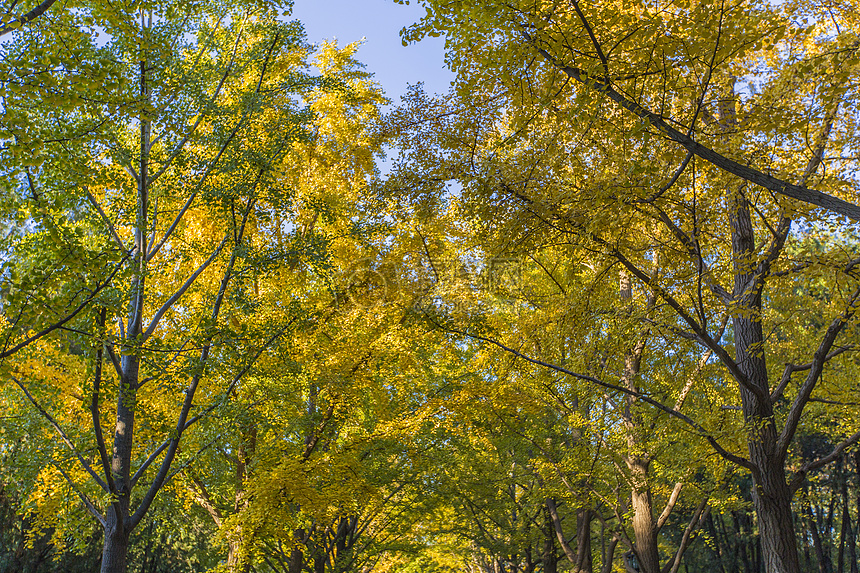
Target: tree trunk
x=297, y=560
x=644, y=528
x=117, y=520
x=776, y=529
x=637, y=459
x=115, y=551
x=117, y=530
x=816, y=539
x=718, y=546
x=771, y=495
x=848, y=527
x=550, y=556
x=609, y=556
x=235, y=563
x=583, y=542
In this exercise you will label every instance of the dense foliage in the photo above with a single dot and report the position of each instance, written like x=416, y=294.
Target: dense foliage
x=598, y=314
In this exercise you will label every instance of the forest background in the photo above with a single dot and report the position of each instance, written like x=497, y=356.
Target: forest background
x=598, y=311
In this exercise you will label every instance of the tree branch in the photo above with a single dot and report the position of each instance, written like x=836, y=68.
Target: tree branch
x=62, y=434
x=754, y=176
x=798, y=478
x=44, y=332
x=185, y=286
x=816, y=367
x=736, y=459
x=20, y=21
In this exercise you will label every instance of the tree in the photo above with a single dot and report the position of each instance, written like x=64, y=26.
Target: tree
x=139, y=230
x=636, y=142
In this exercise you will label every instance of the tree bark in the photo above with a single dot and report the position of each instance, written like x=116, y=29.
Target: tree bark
x=550, y=556
x=771, y=495
x=584, y=562
x=115, y=550
x=644, y=527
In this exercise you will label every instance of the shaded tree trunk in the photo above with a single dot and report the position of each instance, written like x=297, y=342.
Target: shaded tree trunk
x=550, y=556
x=771, y=495
x=583, y=542
x=816, y=539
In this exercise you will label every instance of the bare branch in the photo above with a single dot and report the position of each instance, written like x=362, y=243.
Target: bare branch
x=698, y=516
x=87, y=502
x=792, y=368
x=185, y=286
x=594, y=42
x=670, y=505
x=106, y=221
x=800, y=476
x=94, y=406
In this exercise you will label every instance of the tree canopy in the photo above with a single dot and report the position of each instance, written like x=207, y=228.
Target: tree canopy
x=594, y=309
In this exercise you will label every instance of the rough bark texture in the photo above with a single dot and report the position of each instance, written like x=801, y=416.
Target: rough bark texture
x=637, y=459
x=644, y=527
x=583, y=542
x=771, y=495
x=115, y=550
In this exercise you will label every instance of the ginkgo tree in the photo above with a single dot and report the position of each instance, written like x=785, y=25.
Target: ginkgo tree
x=536, y=290
x=643, y=144
x=136, y=254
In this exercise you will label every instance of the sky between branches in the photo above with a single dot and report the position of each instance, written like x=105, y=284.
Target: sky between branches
x=379, y=21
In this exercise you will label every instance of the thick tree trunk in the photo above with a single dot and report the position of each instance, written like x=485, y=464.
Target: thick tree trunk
x=297, y=560
x=776, y=528
x=584, y=562
x=644, y=527
x=771, y=495
x=115, y=551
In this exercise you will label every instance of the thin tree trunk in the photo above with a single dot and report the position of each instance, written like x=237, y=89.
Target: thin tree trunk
x=637, y=460
x=718, y=547
x=816, y=538
x=609, y=556
x=117, y=526
x=845, y=526
x=848, y=527
x=550, y=556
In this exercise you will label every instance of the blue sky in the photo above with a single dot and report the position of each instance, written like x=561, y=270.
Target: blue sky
x=379, y=22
